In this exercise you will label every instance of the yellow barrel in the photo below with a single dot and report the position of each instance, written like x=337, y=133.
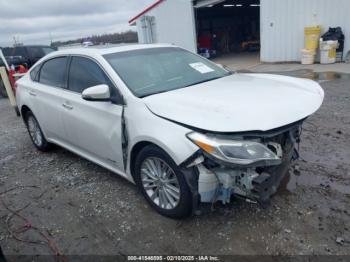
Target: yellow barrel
x=312, y=35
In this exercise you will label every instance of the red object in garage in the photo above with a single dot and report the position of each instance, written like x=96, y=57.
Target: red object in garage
x=205, y=42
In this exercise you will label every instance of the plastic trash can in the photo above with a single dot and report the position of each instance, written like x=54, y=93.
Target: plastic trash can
x=312, y=35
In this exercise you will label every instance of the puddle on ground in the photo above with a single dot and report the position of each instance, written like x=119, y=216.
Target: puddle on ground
x=292, y=181
x=308, y=73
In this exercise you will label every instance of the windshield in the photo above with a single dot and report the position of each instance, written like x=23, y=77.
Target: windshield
x=157, y=70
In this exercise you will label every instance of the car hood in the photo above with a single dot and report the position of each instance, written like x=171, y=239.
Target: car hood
x=240, y=102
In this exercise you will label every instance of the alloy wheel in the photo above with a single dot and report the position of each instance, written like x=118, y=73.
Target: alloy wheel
x=34, y=131
x=160, y=183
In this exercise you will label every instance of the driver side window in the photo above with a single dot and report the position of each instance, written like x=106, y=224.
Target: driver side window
x=85, y=73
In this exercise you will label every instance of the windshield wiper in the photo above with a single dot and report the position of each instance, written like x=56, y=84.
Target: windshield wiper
x=206, y=80
x=156, y=93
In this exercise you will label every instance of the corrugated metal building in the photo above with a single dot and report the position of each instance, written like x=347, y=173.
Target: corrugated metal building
x=283, y=22
x=277, y=25
x=167, y=21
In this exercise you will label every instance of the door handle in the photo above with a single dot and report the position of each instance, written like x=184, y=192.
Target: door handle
x=69, y=107
x=32, y=93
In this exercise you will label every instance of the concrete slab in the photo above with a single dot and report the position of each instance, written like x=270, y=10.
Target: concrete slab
x=239, y=61
x=337, y=67
x=251, y=61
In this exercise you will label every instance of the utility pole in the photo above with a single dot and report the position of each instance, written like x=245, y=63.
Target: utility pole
x=14, y=41
x=50, y=39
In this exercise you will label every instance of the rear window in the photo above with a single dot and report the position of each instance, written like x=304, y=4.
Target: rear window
x=15, y=51
x=6, y=51
x=39, y=51
x=33, y=51
x=52, y=72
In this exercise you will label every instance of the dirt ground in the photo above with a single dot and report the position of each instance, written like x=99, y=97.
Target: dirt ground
x=85, y=209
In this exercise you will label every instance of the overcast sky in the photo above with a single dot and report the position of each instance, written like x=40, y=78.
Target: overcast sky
x=32, y=21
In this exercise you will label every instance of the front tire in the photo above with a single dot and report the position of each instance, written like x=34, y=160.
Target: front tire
x=162, y=183
x=35, y=132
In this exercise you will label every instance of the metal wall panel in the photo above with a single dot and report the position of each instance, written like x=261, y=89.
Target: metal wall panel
x=283, y=22
x=174, y=24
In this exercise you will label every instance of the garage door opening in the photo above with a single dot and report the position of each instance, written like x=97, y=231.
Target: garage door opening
x=229, y=30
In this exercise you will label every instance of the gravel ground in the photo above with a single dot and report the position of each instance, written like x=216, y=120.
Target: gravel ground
x=85, y=209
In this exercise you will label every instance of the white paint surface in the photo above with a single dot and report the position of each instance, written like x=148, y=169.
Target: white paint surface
x=93, y=130
x=241, y=102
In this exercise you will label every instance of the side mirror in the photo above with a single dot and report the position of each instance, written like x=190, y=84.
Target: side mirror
x=97, y=93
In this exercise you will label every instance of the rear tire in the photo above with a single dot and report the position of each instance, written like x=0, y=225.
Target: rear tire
x=35, y=132
x=162, y=183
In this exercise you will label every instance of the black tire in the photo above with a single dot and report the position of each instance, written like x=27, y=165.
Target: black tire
x=3, y=92
x=2, y=257
x=184, y=207
x=41, y=144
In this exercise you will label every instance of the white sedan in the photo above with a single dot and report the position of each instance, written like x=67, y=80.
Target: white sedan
x=184, y=129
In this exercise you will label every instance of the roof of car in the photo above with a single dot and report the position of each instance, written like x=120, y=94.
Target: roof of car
x=109, y=50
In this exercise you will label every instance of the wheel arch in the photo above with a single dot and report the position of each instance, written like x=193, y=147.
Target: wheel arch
x=189, y=174
x=135, y=150
x=24, y=110
x=179, y=150
x=139, y=145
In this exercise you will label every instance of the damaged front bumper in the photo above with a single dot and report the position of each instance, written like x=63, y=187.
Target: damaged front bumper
x=217, y=180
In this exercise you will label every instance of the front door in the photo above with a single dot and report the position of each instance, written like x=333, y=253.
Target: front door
x=95, y=128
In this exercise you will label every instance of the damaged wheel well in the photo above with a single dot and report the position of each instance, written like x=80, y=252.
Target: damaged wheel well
x=135, y=151
x=24, y=110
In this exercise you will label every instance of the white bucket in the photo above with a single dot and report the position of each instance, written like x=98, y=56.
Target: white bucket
x=328, y=57
x=307, y=56
x=328, y=51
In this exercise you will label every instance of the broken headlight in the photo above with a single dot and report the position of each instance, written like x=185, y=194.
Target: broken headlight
x=238, y=152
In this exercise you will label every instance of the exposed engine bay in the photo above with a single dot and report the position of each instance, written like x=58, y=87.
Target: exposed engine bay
x=255, y=180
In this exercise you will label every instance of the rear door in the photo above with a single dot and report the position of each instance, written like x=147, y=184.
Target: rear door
x=48, y=96
x=93, y=127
